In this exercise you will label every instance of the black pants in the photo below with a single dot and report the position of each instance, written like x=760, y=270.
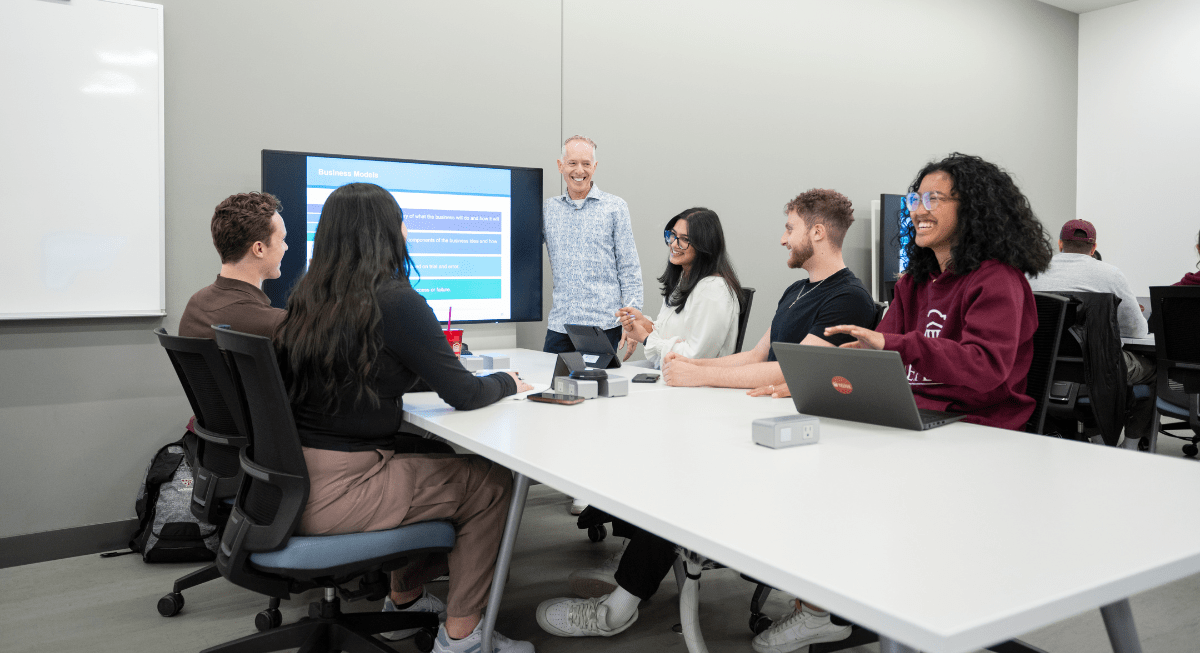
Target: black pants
x=559, y=343
x=646, y=560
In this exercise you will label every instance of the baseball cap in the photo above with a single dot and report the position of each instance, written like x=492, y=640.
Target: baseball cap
x=1072, y=226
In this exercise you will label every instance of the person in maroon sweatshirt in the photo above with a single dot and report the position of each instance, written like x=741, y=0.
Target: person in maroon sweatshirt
x=1191, y=278
x=963, y=316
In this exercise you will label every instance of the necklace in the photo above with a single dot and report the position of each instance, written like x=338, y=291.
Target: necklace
x=806, y=291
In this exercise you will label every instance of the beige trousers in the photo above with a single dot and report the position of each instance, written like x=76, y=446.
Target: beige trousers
x=376, y=490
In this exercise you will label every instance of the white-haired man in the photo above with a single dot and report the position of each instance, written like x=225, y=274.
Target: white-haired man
x=592, y=254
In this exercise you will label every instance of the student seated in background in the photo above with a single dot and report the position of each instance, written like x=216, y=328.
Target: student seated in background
x=1191, y=278
x=817, y=221
x=1075, y=268
x=816, y=225
x=357, y=336
x=699, y=314
x=248, y=233
x=963, y=316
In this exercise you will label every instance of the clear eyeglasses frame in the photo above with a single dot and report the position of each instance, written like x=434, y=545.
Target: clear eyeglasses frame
x=929, y=200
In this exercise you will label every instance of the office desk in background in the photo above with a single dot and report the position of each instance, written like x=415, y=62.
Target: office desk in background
x=946, y=540
x=1143, y=346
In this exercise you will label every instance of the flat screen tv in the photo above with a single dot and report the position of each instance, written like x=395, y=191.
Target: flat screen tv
x=895, y=223
x=474, y=231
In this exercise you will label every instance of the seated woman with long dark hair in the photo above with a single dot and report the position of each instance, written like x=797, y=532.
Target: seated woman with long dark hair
x=357, y=336
x=963, y=316
x=701, y=295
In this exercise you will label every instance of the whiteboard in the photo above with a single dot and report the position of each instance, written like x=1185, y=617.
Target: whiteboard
x=82, y=208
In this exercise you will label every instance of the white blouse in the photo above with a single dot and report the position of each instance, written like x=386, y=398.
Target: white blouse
x=706, y=328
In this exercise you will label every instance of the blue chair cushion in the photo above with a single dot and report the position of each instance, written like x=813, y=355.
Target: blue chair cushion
x=329, y=551
x=1140, y=391
x=1171, y=409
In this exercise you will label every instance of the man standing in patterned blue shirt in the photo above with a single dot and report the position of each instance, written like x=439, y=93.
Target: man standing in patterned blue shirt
x=592, y=254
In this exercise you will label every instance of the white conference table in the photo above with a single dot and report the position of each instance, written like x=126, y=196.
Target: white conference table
x=944, y=541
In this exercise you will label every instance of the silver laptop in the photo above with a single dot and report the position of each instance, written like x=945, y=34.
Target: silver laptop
x=859, y=385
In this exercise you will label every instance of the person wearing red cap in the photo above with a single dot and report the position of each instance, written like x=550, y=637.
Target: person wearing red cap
x=1075, y=269
x=1191, y=278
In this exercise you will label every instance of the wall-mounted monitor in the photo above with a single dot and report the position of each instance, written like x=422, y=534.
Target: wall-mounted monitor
x=894, y=229
x=474, y=231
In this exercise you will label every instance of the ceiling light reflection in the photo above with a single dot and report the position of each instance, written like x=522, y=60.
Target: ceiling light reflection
x=107, y=82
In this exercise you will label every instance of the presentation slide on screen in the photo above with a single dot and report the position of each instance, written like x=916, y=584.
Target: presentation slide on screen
x=459, y=222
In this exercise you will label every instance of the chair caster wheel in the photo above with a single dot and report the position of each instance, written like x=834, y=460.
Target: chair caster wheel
x=268, y=619
x=171, y=604
x=597, y=533
x=424, y=639
x=759, y=623
x=1190, y=450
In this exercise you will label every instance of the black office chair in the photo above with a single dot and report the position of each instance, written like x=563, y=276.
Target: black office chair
x=880, y=309
x=1092, y=334
x=260, y=552
x=1175, y=312
x=219, y=426
x=1052, y=312
x=747, y=300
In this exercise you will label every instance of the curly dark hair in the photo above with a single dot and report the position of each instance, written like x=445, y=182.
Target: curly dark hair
x=995, y=222
x=241, y=220
x=827, y=207
x=708, y=239
x=331, y=336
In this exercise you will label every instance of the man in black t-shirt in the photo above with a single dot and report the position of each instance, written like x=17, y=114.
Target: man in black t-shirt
x=816, y=226
x=832, y=295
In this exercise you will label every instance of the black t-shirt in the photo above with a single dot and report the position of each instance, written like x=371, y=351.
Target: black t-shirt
x=839, y=298
x=413, y=349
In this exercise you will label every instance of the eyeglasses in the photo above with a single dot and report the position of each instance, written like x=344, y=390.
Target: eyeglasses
x=928, y=199
x=671, y=238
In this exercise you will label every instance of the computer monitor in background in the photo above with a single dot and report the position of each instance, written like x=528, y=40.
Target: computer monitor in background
x=894, y=223
x=474, y=231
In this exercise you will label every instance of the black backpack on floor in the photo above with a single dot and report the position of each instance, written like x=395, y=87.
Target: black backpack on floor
x=167, y=529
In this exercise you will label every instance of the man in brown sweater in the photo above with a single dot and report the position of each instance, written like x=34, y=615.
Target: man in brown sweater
x=248, y=233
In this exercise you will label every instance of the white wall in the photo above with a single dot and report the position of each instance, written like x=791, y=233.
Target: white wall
x=1139, y=136
x=85, y=403
x=741, y=106
x=738, y=106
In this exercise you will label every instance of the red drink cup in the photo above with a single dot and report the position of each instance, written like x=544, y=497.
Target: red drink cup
x=454, y=337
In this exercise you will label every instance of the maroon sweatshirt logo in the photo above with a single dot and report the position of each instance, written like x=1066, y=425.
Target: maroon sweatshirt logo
x=842, y=385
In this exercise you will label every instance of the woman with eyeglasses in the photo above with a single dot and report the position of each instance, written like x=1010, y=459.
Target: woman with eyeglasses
x=699, y=314
x=963, y=316
x=357, y=336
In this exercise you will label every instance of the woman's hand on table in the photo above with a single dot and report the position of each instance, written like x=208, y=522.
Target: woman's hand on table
x=521, y=385
x=776, y=391
x=863, y=338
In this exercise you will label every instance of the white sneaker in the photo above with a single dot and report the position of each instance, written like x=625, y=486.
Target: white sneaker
x=801, y=628
x=578, y=506
x=578, y=618
x=500, y=644
x=427, y=603
x=596, y=581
